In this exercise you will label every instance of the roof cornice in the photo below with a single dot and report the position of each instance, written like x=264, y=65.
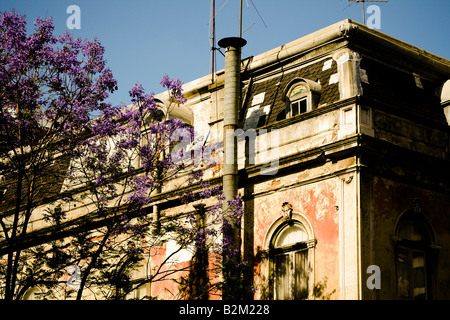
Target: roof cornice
x=384, y=47
x=359, y=37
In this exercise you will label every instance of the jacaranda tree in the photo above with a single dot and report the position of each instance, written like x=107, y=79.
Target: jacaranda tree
x=77, y=193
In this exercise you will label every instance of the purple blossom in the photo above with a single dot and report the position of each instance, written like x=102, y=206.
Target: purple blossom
x=53, y=106
x=137, y=92
x=142, y=185
x=174, y=86
x=101, y=181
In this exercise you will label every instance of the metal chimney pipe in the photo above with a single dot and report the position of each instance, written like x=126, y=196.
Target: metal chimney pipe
x=232, y=94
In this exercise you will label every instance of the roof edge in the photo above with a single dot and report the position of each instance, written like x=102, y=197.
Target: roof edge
x=346, y=30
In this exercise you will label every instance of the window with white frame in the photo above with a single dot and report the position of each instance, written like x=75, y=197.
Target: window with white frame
x=301, y=96
x=298, y=100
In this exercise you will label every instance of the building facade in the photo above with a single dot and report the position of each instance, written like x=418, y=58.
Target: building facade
x=343, y=166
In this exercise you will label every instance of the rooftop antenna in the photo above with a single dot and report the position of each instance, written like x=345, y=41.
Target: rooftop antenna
x=256, y=9
x=350, y=2
x=240, y=20
x=213, y=44
x=212, y=25
x=212, y=35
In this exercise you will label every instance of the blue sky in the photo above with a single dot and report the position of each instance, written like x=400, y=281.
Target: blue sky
x=145, y=39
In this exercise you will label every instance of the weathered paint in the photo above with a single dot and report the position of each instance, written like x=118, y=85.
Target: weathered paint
x=317, y=202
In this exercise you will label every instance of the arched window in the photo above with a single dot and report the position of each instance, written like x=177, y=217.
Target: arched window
x=413, y=257
x=298, y=99
x=301, y=96
x=290, y=235
x=290, y=262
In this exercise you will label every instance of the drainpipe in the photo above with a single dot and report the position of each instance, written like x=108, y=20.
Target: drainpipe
x=232, y=93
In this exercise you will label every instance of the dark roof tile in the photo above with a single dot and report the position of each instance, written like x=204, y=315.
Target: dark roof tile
x=275, y=86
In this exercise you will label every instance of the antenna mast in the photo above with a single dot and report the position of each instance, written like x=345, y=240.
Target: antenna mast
x=213, y=46
x=364, y=5
x=240, y=21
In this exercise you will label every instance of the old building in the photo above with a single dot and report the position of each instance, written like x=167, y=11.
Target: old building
x=343, y=166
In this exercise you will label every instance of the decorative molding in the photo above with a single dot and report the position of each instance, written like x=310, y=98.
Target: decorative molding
x=346, y=28
x=287, y=211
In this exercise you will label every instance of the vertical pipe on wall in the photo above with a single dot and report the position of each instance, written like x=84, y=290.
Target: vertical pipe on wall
x=232, y=93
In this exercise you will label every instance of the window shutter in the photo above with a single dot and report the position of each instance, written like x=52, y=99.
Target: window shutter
x=301, y=275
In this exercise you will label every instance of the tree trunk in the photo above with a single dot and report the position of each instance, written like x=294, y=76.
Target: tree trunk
x=91, y=265
x=10, y=276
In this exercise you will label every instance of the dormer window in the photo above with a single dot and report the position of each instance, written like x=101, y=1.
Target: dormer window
x=301, y=96
x=298, y=99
